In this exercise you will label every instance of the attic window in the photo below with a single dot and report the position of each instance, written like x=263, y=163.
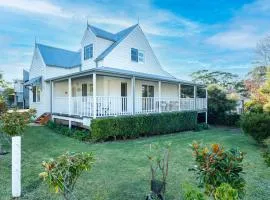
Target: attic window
x=134, y=55
x=137, y=55
x=88, y=51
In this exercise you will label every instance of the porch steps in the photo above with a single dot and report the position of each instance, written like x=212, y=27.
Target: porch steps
x=43, y=119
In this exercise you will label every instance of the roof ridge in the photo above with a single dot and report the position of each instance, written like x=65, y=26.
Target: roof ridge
x=53, y=47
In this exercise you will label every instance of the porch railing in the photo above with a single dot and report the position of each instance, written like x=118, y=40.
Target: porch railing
x=113, y=106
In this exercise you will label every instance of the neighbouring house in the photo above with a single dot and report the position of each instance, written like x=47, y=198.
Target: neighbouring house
x=25, y=90
x=112, y=74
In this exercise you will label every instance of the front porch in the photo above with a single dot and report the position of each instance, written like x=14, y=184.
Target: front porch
x=100, y=94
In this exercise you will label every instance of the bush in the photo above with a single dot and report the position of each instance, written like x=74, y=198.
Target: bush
x=142, y=125
x=253, y=106
x=226, y=192
x=216, y=166
x=62, y=173
x=231, y=119
x=76, y=133
x=191, y=193
x=219, y=105
x=257, y=125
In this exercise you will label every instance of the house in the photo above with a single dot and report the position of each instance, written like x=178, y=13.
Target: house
x=112, y=74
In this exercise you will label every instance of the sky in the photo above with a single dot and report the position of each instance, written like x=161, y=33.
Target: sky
x=186, y=36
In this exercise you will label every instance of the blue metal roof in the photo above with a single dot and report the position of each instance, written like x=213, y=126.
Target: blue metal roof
x=34, y=81
x=117, y=38
x=102, y=33
x=57, y=57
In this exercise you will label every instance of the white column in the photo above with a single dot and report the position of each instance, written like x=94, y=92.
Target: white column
x=206, y=113
x=69, y=96
x=159, y=96
x=52, y=96
x=195, y=96
x=179, y=96
x=133, y=93
x=16, y=166
x=94, y=95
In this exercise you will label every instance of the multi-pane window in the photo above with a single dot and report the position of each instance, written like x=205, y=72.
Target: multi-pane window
x=88, y=51
x=137, y=55
x=36, y=93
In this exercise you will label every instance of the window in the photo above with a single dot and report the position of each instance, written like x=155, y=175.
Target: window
x=36, y=93
x=84, y=90
x=134, y=55
x=88, y=51
x=147, y=91
x=141, y=57
x=137, y=55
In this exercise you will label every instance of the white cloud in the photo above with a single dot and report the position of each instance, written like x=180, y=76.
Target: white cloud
x=234, y=40
x=34, y=6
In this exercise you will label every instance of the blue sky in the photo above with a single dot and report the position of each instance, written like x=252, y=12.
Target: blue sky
x=185, y=35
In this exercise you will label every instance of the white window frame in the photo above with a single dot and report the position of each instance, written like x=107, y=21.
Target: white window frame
x=84, y=51
x=143, y=57
x=37, y=94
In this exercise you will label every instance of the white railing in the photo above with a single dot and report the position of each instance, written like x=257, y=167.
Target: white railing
x=60, y=105
x=201, y=103
x=114, y=106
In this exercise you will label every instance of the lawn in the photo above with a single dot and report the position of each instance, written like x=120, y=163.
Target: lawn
x=121, y=170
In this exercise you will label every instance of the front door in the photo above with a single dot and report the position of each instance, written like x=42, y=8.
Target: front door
x=124, y=96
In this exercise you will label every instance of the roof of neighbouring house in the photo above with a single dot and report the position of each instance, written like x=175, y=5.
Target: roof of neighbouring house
x=57, y=57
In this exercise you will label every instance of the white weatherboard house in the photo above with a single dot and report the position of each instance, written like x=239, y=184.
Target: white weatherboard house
x=112, y=74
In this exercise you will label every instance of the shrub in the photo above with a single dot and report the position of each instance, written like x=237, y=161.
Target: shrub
x=191, y=193
x=257, y=125
x=218, y=104
x=142, y=125
x=76, y=133
x=231, y=119
x=226, y=192
x=216, y=165
x=62, y=173
x=14, y=122
x=253, y=106
x=266, y=151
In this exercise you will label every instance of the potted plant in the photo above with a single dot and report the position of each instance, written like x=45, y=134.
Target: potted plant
x=159, y=167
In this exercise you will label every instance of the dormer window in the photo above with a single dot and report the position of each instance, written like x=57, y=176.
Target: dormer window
x=88, y=51
x=137, y=55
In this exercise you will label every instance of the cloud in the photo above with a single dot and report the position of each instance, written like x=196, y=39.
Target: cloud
x=234, y=40
x=37, y=7
x=245, y=29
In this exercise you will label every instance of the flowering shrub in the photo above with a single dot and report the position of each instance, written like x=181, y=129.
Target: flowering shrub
x=14, y=122
x=62, y=173
x=215, y=166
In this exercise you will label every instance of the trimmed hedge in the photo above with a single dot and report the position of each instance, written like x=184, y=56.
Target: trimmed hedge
x=142, y=125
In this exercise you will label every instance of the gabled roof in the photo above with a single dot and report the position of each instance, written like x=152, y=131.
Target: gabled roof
x=116, y=38
x=102, y=33
x=57, y=57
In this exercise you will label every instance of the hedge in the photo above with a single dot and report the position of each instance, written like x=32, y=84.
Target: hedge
x=142, y=125
x=257, y=125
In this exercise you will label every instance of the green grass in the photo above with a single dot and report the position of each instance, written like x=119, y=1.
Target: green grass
x=121, y=170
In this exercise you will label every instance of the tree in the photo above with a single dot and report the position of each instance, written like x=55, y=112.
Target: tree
x=218, y=104
x=227, y=80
